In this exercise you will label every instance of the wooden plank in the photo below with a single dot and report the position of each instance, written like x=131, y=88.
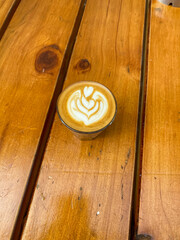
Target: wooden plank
x=84, y=188
x=160, y=189
x=31, y=53
x=5, y=7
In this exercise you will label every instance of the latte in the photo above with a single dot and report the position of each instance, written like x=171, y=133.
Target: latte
x=86, y=107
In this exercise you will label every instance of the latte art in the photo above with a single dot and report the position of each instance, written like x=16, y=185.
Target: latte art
x=88, y=106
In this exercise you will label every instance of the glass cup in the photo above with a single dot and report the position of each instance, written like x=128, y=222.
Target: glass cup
x=173, y=3
x=84, y=134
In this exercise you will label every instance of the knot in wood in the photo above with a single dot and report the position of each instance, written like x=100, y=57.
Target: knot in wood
x=83, y=66
x=143, y=237
x=47, y=59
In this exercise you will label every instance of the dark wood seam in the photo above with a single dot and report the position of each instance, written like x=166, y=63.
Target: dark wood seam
x=140, y=128
x=9, y=17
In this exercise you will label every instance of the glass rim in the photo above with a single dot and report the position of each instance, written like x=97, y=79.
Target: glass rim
x=85, y=132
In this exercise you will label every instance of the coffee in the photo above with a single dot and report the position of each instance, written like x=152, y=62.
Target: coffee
x=86, y=106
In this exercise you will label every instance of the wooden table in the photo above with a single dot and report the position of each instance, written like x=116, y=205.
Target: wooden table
x=125, y=184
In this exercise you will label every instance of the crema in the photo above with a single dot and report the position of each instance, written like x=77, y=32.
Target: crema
x=86, y=106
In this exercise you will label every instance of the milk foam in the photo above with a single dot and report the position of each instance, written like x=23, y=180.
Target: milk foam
x=88, y=106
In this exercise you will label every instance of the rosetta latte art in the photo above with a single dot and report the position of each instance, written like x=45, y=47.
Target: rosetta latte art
x=88, y=106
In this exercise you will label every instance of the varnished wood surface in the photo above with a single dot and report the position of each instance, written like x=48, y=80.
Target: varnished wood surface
x=5, y=7
x=84, y=188
x=160, y=188
x=31, y=53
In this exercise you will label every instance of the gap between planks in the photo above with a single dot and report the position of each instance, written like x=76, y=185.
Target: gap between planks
x=33, y=176
x=140, y=127
x=9, y=17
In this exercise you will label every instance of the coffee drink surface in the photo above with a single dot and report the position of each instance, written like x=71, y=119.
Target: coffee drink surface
x=86, y=106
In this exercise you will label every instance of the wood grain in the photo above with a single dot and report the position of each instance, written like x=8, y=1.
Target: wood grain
x=31, y=53
x=84, y=188
x=160, y=190
x=5, y=8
